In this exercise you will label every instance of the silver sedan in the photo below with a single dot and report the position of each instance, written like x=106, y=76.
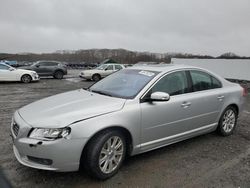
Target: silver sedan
x=135, y=110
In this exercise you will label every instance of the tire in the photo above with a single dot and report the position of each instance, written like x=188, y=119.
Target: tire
x=102, y=160
x=96, y=77
x=58, y=75
x=26, y=78
x=228, y=121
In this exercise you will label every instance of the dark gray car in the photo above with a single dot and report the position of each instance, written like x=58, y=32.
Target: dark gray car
x=48, y=68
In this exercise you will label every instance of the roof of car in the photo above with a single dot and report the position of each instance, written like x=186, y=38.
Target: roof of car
x=111, y=64
x=161, y=67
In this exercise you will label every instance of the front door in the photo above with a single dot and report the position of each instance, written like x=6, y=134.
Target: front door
x=163, y=119
x=109, y=70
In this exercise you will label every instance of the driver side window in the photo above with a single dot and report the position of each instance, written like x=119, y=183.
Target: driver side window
x=110, y=67
x=174, y=84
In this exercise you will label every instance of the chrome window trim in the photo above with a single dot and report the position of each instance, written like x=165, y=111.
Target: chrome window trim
x=177, y=70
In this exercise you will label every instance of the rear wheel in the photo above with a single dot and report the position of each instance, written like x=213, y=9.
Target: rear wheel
x=96, y=77
x=104, y=154
x=26, y=78
x=228, y=121
x=58, y=75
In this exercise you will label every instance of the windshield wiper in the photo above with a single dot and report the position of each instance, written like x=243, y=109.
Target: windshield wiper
x=101, y=92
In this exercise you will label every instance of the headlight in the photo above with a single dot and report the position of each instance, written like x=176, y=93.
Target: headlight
x=34, y=74
x=49, y=134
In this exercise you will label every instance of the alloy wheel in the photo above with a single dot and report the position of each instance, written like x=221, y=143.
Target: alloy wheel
x=229, y=120
x=26, y=79
x=111, y=154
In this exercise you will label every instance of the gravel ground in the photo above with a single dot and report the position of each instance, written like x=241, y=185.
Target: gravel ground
x=204, y=161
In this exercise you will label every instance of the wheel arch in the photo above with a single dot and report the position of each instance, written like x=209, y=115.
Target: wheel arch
x=96, y=74
x=124, y=131
x=28, y=74
x=218, y=127
x=236, y=107
x=58, y=70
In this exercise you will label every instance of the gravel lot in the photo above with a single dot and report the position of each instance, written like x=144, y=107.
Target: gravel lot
x=204, y=161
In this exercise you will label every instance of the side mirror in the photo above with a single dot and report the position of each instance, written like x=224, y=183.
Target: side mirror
x=11, y=69
x=37, y=66
x=160, y=96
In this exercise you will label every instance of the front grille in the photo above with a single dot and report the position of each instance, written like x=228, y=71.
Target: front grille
x=15, y=128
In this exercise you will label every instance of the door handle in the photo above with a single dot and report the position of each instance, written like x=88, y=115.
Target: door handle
x=220, y=98
x=186, y=104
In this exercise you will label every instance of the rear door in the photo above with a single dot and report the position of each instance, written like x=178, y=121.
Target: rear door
x=118, y=67
x=206, y=99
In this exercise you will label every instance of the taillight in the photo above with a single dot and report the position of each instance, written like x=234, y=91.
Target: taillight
x=244, y=92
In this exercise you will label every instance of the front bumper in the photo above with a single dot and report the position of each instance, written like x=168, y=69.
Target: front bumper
x=63, y=153
x=87, y=77
x=35, y=78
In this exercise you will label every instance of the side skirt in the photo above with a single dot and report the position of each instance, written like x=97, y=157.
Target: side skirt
x=148, y=146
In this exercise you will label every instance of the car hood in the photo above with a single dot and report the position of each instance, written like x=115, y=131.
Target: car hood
x=25, y=71
x=66, y=108
x=25, y=68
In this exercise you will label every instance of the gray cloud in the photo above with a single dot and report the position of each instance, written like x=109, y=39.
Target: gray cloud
x=194, y=26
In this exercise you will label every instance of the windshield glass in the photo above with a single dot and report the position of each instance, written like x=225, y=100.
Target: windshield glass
x=36, y=63
x=125, y=83
x=102, y=67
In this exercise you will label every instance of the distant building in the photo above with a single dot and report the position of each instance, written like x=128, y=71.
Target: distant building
x=238, y=69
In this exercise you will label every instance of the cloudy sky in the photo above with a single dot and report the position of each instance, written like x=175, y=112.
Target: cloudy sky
x=192, y=26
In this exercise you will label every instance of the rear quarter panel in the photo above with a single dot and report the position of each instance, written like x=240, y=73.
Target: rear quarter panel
x=233, y=96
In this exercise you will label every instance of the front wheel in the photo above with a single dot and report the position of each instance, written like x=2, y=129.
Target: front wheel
x=58, y=75
x=227, y=121
x=96, y=77
x=26, y=78
x=105, y=154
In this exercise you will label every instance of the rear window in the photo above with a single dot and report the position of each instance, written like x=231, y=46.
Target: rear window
x=48, y=63
x=203, y=81
x=118, y=67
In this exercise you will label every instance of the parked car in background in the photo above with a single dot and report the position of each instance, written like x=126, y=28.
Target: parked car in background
x=8, y=73
x=132, y=111
x=11, y=63
x=81, y=65
x=24, y=63
x=101, y=71
x=48, y=68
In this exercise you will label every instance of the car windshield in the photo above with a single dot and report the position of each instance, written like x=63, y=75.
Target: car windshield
x=4, y=66
x=125, y=83
x=102, y=67
x=36, y=63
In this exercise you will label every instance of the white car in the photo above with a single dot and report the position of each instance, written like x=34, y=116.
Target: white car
x=101, y=71
x=8, y=73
